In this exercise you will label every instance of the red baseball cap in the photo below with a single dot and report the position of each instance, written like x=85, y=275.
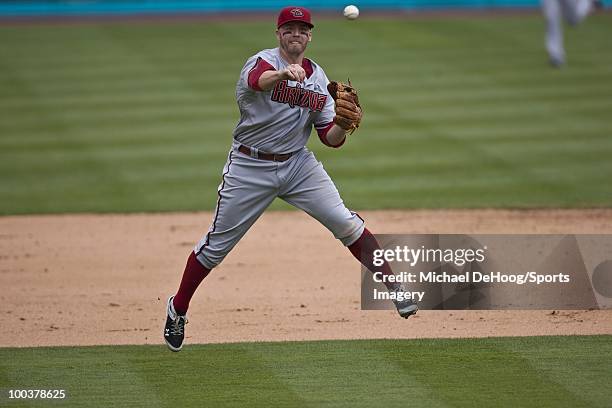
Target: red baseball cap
x=293, y=14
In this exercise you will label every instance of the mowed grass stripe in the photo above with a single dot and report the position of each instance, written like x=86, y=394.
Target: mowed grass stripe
x=145, y=112
x=541, y=358
x=449, y=104
x=492, y=375
x=554, y=371
x=151, y=95
x=130, y=67
x=118, y=85
x=196, y=131
x=189, y=103
x=523, y=111
x=156, y=112
x=419, y=94
x=435, y=84
x=124, y=116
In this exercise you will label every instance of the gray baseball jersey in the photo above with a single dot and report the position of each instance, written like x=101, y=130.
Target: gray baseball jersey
x=276, y=121
x=281, y=120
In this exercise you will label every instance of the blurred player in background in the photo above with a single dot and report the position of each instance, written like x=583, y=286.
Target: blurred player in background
x=555, y=11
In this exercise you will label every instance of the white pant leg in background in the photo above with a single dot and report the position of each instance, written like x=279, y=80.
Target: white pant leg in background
x=574, y=11
x=554, y=30
x=555, y=11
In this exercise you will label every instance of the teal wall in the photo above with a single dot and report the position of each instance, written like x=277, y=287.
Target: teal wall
x=118, y=7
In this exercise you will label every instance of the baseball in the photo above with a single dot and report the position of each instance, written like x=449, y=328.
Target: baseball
x=351, y=12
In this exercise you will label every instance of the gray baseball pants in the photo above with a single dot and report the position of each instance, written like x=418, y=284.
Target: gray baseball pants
x=250, y=185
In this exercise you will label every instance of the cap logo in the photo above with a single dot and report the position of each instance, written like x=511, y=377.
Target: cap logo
x=296, y=12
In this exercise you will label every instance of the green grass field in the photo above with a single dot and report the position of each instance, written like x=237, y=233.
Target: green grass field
x=459, y=112
x=503, y=372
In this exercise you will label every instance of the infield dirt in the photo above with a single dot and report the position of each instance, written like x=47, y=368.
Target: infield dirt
x=104, y=279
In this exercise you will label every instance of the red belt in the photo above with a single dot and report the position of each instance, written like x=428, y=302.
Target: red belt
x=265, y=156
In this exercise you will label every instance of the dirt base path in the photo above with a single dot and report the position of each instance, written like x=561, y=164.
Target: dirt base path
x=104, y=279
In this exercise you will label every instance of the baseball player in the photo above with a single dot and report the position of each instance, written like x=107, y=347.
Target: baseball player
x=281, y=96
x=555, y=11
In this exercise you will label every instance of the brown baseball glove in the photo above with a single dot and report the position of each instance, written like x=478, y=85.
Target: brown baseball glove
x=348, y=111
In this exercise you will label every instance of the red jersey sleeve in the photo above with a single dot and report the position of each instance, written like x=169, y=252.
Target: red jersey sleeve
x=259, y=68
x=322, y=132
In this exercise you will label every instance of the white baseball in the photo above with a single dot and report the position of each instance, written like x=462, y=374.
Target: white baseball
x=351, y=12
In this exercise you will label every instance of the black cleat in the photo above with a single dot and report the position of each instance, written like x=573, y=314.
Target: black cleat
x=405, y=307
x=174, y=332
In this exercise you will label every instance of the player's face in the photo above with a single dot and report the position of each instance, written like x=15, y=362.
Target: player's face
x=293, y=37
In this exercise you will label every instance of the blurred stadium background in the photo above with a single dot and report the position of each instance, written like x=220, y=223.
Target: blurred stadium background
x=461, y=109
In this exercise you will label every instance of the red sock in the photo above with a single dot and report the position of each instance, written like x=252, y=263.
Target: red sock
x=194, y=274
x=363, y=249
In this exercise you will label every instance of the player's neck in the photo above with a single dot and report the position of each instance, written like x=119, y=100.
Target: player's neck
x=292, y=58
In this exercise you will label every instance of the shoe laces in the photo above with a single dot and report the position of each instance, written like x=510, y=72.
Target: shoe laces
x=178, y=326
x=405, y=302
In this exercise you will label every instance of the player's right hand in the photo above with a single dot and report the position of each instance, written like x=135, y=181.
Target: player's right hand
x=294, y=72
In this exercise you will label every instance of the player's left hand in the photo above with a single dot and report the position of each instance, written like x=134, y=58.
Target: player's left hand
x=348, y=110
